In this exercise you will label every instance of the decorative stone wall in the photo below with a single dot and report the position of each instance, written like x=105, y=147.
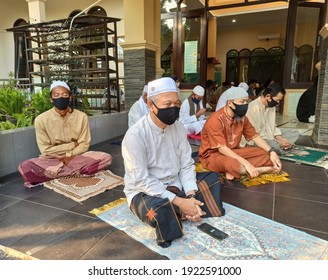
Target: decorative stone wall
x=139, y=69
x=320, y=131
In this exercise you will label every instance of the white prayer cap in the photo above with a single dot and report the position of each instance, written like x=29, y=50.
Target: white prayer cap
x=161, y=85
x=236, y=93
x=243, y=85
x=145, y=89
x=199, y=90
x=59, y=83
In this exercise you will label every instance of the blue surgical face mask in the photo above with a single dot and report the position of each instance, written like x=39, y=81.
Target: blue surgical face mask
x=196, y=101
x=167, y=115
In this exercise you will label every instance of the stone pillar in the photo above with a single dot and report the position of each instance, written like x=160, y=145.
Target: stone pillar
x=320, y=131
x=157, y=37
x=36, y=10
x=141, y=46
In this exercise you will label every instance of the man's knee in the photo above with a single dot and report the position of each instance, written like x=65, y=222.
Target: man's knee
x=158, y=213
x=25, y=166
x=107, y=159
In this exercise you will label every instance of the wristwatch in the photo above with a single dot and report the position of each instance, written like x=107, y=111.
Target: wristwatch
x=271, y=150
x=191, y=196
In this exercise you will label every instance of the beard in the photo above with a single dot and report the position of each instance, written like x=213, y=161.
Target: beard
x=237, y=119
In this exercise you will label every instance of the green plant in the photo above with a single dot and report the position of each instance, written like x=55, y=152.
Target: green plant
x=24, y=119
x=85, y=106
x=7, y=125
x=40, y=102
x=12, y=101
x=11, y=80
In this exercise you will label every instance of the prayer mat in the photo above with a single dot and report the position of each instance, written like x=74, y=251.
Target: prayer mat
x=251, y=237
x=194, y=150
x=194, y=139
x=7, y=253
x=199, y=168
x=263, y=179
x=307, y=155
x=80, y=188
x=282, y=176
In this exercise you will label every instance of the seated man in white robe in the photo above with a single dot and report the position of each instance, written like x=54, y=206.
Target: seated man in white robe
x=139, y=108
x=192, y=112
x=262, y=115
x=160, y=178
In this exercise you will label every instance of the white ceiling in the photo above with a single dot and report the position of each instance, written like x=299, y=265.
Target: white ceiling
x=252, y=19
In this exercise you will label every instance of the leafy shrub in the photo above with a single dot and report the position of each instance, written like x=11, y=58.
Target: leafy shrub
x=16, y=111
x=12, y=101
x=41, y=102
x=7, y=125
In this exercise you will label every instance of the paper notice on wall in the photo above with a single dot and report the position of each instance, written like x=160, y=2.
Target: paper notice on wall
x=190, y=57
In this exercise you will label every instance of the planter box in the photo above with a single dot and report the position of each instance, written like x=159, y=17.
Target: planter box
x=20, y=144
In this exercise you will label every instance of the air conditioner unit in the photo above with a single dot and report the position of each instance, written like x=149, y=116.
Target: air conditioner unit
x=268, y=36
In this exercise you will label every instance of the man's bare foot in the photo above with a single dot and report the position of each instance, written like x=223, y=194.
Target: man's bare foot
x=229, y=176
x=266, y=169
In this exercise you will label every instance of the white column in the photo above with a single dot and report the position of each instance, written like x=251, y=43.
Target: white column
x=157, y=38
x=37, y=11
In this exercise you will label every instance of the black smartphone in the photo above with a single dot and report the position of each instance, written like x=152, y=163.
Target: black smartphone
x=212, y=231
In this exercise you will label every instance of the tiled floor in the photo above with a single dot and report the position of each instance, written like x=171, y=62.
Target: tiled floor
x=48, y=225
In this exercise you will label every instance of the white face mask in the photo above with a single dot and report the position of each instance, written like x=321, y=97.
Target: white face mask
x=177, y=84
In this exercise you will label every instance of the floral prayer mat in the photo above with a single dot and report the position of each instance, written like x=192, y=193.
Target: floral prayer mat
x=7, y=253
x=80, y=188
x=307, y=155
x=251, y=237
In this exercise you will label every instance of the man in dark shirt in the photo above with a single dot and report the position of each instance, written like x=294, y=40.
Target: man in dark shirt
x=305, y=110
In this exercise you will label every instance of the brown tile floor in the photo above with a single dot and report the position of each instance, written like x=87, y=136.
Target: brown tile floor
x=48, y=225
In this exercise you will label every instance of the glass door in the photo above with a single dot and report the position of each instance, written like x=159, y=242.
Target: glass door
x=303, y=43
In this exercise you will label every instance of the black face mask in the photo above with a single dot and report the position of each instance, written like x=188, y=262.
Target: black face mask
x=240, y=110
x=167, y=115
x=272, y=103
x=61, y=103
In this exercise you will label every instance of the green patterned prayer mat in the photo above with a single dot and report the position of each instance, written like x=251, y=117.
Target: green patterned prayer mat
x=7, y=253
x=307, y=155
